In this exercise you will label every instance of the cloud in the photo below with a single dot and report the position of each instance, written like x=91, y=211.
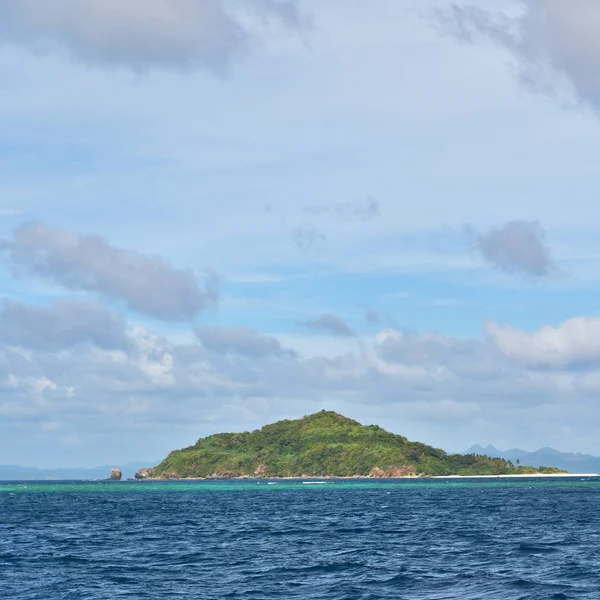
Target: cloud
x=330, y=324
x=145, y=34
x=552, y=40
x=62, y=324
x=236, y=377
x=241, y=341
x=359, y=210
x=146, y=284
x=573, y=344
x=516, y=247
x=436, y=353
x=306, y=236
x=154, y=381
x=378, y=317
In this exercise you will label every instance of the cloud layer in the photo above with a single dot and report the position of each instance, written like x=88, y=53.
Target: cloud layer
x=82, y=377
x=552, y=40
x=143, y=34
x=63, y=324
x=146, y=284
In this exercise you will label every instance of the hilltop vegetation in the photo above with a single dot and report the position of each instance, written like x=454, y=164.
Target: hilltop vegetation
x=320, y=445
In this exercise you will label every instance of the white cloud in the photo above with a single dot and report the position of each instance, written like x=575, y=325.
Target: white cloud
x=413, y=378
x=143, y=34
x=64, y=323
x=394, y=367
x=147, y=284
x=241, y=341
x=576, y=342
x=554, y=41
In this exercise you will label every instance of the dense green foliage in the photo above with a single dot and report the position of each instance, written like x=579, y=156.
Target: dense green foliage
x=323, y=444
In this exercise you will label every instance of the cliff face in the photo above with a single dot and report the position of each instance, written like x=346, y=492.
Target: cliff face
x=115, y=474
x=145, y=473
x=319, y=445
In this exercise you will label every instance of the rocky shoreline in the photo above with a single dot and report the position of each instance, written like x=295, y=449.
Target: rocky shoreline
x=145, y=475
x=375, y=473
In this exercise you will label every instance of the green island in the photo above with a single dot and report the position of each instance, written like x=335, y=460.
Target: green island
x=325, y=444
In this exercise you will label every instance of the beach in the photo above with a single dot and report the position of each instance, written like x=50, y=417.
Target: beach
x=526, y=476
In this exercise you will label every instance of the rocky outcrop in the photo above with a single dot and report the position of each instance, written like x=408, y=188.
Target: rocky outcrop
x=143, y=473
x=222, y=475
x=115, y=474
x=394, y=471
x=260, y=471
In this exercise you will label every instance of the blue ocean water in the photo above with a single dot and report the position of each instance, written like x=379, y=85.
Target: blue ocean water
x=417, y=540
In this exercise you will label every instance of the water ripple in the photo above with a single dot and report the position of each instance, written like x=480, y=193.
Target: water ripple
x=355, y=541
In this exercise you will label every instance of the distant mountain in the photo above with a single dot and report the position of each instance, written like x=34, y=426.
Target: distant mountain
x=569, y=461
x=15, y=473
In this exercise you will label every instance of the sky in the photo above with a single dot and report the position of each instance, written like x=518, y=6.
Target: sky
x=215, y=214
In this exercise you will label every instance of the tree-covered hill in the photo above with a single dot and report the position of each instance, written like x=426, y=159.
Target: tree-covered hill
x=320, y=445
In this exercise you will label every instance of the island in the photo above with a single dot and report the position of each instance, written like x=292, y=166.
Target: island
x=324, y=444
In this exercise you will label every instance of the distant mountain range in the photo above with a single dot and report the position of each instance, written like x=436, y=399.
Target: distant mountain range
x=14, y=473
x=569, y=461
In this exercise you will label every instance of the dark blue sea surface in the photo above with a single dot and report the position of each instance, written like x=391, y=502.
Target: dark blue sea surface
x=414, y=540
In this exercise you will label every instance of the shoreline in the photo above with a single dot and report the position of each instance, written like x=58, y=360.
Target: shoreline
x=328, y=477
x=520, y=475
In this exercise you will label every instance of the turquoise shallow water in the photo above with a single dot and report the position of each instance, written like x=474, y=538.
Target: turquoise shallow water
x=250, y=485
x=422, y=540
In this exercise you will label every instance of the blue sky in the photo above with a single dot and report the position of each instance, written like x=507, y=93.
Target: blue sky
x=216, y=213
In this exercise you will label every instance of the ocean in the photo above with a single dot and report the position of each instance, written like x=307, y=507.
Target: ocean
x=342, y=539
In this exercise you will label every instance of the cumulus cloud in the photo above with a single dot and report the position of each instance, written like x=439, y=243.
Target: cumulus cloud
x=359, y=210
x=237, y=376
x=62, y=324
x=552, y=40
x=233, y=366
x=438, y=353
x=241, y=341
x=144, y=283
x=143, y=34
x=574, y=343
x=516, y=247
x=330, y=324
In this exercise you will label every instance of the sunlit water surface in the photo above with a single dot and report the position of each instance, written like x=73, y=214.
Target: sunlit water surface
x=419, y=540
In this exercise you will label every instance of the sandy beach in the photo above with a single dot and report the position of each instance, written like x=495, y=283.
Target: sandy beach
x=537, y=475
